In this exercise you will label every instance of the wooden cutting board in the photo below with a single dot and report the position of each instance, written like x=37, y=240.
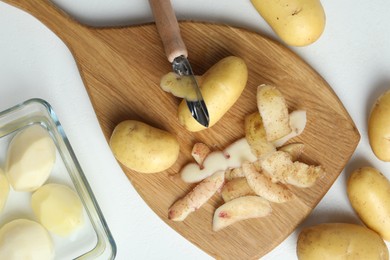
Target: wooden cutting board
x=121, y=69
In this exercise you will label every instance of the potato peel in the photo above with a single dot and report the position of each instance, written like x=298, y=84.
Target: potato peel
x=263, y=185
x=274, y=112
x=236, y=188
x=197, y=197
x=242, y=208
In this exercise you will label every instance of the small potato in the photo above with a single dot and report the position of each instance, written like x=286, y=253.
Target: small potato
x=379, y=127
x=296, y=22
x=369, y=193
x=221, y=86
x=25, y=239
x=4, y=190
x=58, y=208
x=143, y=148
x=340, y=241
x=30, y=158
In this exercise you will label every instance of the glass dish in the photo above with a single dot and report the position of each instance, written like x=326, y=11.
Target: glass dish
x=93, y=240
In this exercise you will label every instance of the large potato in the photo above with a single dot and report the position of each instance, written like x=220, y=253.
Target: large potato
x=369, y=193
x=30, y=158
x=221, y=86
x=379, y=127
x=296, y=22
x=143, y=148
x=340, y=241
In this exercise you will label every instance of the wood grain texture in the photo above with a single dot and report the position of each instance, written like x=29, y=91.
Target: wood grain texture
x=121, y=69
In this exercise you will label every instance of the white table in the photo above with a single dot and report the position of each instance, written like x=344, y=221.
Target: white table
x=353, y=55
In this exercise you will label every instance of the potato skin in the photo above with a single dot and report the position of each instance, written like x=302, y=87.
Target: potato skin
x=340, y=241
x=144, y=148
x=296, y=22
x=369, y=193
x=379, y=127
x=221, y=86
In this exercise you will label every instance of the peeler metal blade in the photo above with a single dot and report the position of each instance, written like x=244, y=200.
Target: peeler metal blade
x=182, y=67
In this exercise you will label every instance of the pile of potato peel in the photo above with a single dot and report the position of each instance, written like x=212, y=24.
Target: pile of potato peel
x=263, y=172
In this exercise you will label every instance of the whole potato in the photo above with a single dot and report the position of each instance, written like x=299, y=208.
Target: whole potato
x=143, y=148
x=340, y=241
x=221, y=86
x=379, y=127
x=58, y=208
x=296, y=22
x=369, y=193
x=31, y=157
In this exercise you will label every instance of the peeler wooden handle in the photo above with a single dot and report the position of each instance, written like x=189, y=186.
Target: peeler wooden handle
x=168, y=28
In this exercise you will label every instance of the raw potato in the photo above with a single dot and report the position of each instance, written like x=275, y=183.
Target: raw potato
x=340, y=241
x=197, y=197
x=369, y=193
x=143, y=148
x=25, y=239
x=58, y=208
x=30, y=158
x=221, y=86
x=256, y=136
x=235, y=188
x=4, y=190
x=379, y=127
x=240, y=209
x=296, y=22
x=274, y=112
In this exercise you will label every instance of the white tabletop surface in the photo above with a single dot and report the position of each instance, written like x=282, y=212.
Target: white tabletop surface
x=353, y=55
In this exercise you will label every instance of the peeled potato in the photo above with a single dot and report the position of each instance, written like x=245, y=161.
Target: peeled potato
x=4, y=190
x=30, y=158
x=144, y=148
x=25, y=239
x=58, y=208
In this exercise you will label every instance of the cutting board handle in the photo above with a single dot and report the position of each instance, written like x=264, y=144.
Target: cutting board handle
x=55, y=19
x=168, y=28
